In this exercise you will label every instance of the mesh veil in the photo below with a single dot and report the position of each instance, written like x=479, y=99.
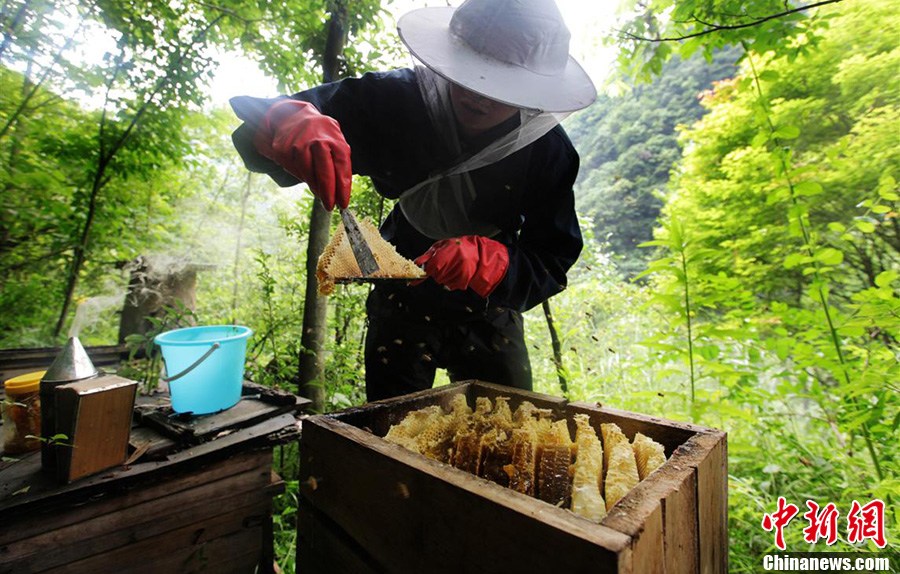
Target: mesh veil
x=441, y=206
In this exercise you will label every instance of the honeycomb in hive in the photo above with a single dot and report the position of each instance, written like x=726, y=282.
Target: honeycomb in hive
x=648, y=455
x=337, y=261
x=412, y=425
x=621, y=473
x=467, y=451
x=530, y=453
x=497, y=455
x=524, y=457
x=588, y=472
x=501, y=416
x=554, y=478
x=436, y=441
x=611, y=435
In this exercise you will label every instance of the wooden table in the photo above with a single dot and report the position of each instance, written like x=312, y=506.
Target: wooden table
x=195, y=496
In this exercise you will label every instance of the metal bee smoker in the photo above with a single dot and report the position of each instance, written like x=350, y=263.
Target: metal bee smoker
x=70, y=365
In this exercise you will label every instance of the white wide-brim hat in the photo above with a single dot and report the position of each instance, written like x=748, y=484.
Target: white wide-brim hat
x=512, y=51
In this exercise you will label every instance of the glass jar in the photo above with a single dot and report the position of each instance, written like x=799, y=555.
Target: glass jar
x=21, y=409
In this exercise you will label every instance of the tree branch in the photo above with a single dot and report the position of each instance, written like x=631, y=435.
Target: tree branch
x=720, y=27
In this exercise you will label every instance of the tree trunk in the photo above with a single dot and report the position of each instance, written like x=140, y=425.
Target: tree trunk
x=80, y=248
x=557, y=349
x=315, y=307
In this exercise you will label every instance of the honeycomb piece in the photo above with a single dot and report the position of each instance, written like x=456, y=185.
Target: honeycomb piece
x=621, y=474
x=501, y=416
x=524, y=456
x=436, y=441
x=459, y=407
x=529, y=452
x=497, y=455
x=557, y=433
x=554, y=479
x=337, y=260
x=648, y=454
x=588, y=472
x=481, y=418
x=611, y=435
x=467, y=451
x=527, y=412
x=405, y=432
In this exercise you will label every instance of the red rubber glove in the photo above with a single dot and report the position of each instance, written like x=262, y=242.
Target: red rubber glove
x=309, y=146
x=472, y=262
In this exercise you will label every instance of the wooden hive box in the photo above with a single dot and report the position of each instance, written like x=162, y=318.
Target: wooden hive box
x=368, y=505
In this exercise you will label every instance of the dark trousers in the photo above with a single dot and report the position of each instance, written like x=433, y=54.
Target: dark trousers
x=406, y=344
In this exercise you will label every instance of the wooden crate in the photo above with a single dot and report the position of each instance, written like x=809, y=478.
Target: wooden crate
x=371, y=506
x=212, y=519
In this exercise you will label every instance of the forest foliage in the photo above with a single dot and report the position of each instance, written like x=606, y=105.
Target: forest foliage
x=629, y=144
x=756, y=167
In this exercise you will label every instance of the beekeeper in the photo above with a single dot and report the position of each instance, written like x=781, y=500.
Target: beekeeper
x=468, y=143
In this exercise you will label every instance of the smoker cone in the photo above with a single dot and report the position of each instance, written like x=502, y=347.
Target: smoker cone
x=71, y=364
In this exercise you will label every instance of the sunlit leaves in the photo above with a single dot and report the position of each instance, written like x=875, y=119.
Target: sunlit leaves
x=649, y=32
x=790, y=185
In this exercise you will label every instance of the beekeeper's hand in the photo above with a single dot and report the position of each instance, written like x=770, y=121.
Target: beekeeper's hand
x=309, y=146
x=469, y=262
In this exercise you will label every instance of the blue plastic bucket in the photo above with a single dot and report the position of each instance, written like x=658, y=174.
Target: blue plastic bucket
x=204, y=366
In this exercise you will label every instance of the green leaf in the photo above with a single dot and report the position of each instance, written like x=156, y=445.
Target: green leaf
x=787, y=132
x=795, y=260
x=885, y=278
x=830, y=256
x=708, y=352
x=778, y=195
x=864, y=226
x=760, y=139
x=852, y=331
x=769, y=75
x=837, y=227
x=808, y=188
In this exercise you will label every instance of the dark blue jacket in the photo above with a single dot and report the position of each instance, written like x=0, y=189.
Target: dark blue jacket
x=527, y=195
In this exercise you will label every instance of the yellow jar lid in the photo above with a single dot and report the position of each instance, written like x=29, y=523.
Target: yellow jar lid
x=27, y=383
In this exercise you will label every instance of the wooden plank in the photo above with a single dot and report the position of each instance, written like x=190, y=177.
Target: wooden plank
x=128, y=525
x=712, y=505
x=516, y=396
x=35, y=520
x=46, y=491
x=160, y=445
x=378, y=416
x=435, y=518
x=639, y=516
x=673, y=488
x=195, y=430
x=323, y=548
x=680, y=525
x=648, y=554
x=192, y=548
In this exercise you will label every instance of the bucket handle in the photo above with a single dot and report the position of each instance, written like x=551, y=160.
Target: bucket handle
x=196, y=364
